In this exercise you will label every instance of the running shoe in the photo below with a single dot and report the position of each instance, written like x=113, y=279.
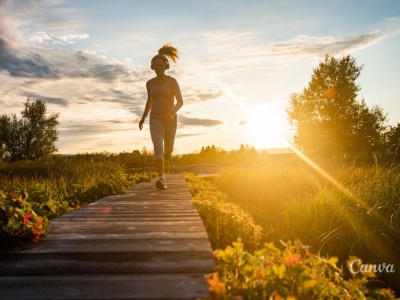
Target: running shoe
x=161, y=185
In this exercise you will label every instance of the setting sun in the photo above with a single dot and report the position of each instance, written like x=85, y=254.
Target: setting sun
x=265, y=123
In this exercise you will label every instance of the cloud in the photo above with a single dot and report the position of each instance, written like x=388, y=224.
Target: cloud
x=93, y=127
x=106, y=73
x=181, y=135
x=24, y=65
x=57, y=101
x=39, y=37
x=243, y=122
x=300, y=46
x=321, y=45
x=70, y=38
x=47, y=17
x=198, y=122
x=14, y=58
x=45, y=38
x=191, y=96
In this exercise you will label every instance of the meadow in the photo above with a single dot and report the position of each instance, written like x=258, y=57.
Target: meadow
x=338, y=207
x=293, y=218
x=32, y=192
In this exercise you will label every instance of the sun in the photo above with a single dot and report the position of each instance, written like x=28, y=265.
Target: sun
x=265, y=123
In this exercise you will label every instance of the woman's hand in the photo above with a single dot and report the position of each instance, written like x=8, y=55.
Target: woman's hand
x=141, y=123
x=170, y=115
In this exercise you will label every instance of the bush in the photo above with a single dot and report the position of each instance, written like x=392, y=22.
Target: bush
x=224, y=221
x=291, y=273
x=18, y=220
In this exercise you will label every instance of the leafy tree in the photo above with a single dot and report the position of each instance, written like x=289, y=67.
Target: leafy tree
x=32, y=136
x=392, y=138
x=327, y=115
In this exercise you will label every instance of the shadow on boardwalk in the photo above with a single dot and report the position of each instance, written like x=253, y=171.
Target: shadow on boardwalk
x=145, y=244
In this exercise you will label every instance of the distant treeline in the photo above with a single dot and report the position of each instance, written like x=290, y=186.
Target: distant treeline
x=243, y=155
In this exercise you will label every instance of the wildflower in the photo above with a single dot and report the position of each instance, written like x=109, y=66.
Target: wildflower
x=293, y=259
x=27, y=217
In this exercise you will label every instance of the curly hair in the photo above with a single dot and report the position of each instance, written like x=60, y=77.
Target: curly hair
x=165, y=52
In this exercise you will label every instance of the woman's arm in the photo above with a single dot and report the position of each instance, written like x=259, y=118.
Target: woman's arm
x=178, y=96
x=149, y=103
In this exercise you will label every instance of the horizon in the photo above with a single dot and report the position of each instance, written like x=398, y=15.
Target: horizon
x=269, y=151
x=239, y=64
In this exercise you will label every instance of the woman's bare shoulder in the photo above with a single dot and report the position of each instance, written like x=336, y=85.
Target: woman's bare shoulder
x=149, y=82
x=172, y=79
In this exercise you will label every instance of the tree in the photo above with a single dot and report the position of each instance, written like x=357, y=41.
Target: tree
x=327, y=115
x=392, y=138
x=32, y=136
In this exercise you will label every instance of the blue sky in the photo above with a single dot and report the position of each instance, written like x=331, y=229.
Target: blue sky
x=240, y=61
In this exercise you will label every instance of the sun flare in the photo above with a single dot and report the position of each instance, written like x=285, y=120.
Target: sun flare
x=265, y=124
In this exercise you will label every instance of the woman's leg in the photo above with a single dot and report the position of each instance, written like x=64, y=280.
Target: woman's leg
x=159, y=167
x=169, y=136
x=157, y=133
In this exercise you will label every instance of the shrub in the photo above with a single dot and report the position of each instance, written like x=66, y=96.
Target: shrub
x=291, y=273
x=224, y=221
x=18, y=219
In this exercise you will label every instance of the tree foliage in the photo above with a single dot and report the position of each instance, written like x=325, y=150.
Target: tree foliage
x=31, y=136
x=327, y=114
x=392, y=138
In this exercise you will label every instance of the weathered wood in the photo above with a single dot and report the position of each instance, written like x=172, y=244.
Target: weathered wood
x=145, y=244
x=153, y=286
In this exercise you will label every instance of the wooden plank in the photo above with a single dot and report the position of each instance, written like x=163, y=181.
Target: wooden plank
x=105, y=263
x=85, y=245
x=145, y=244
x=153, y=286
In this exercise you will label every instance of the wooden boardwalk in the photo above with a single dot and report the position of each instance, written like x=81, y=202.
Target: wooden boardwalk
x=145, y=244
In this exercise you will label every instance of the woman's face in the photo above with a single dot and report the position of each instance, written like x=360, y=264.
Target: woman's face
x=159, y=66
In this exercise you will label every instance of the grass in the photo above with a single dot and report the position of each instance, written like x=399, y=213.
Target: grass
x=56, y=185
x=225, y=222
x=354, y=212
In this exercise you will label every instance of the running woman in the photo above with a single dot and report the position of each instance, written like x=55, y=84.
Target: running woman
x=162, y=91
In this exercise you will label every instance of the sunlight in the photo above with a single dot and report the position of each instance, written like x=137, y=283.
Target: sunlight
x=264, y=124
x=333, y=180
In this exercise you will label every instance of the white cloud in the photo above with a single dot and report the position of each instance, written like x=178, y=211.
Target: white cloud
x=392, y=25
x=39, y=37
x=249, y=54
x=68, y=38
x=42, y=37
x=320, y=45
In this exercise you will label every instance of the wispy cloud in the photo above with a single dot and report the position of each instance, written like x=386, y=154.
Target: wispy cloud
x=197, y=95
x=185, y=121
x=45, y=38
x=182, y=135
x=300, y=46
x=106, y=73
x=57, y=101
x=320, y=45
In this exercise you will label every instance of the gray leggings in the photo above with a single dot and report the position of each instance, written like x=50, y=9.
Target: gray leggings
x=162, y=134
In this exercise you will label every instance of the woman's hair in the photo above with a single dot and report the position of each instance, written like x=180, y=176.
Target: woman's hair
x=165, y=52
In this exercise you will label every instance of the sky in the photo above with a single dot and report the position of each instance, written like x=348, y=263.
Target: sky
x=239, y=63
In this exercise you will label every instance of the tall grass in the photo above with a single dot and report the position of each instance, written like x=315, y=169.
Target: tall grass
x=293, y=201
x=58, y=184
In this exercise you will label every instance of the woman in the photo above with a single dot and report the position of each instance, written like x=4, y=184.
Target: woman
x=161, y=93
